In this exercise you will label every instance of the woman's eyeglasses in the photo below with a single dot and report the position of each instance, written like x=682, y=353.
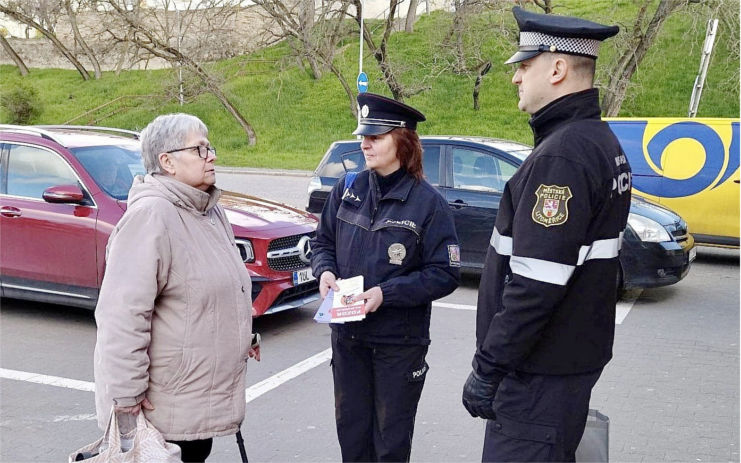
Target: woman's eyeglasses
x=202, y=150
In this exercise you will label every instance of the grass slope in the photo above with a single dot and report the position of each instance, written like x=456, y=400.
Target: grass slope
x=297, y=117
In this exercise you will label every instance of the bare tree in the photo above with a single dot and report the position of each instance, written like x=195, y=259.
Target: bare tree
x=72, y=17
x=306, y=28
x=544, y=5
x=411, y=16
x=316, y=38
x=14, y=56
x=642, y=37
x=483, y=70
x=15, y=10
x=382, y=56
x=155, y=32
x=381, y=52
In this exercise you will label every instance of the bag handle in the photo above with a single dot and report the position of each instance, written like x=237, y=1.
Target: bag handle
x=111, y=435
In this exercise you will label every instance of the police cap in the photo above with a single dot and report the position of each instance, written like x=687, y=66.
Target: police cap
x=379, y=115
x=558, y=34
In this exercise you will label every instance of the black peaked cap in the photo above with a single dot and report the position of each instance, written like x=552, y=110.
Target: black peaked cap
x=379, y=115
x=554, y=33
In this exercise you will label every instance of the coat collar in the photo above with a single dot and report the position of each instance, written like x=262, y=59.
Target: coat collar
x=568, y=108
x=183, y=195
x=399, y=191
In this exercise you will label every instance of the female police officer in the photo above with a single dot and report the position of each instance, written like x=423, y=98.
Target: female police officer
x=391, y=226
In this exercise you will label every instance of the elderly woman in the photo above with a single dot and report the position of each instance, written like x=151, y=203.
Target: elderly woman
x=174, y=314
x=391, y=226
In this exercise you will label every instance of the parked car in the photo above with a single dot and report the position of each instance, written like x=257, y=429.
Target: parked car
x=470, y=172
x=64, y=188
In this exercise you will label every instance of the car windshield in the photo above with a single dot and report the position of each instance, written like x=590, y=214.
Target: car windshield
x=112, y=167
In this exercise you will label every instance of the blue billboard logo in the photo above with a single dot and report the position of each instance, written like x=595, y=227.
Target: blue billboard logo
x=631, y=139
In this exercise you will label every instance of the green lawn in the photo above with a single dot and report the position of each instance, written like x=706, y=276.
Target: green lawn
x=296, y=117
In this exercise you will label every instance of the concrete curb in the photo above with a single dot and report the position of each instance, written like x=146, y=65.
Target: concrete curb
x=256, y=171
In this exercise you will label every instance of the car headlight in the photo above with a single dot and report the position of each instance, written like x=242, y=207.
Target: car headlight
x=648, y=230
x=314, y=184
x=245, y=250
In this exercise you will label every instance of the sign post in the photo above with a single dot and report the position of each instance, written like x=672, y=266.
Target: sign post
x=361, y=74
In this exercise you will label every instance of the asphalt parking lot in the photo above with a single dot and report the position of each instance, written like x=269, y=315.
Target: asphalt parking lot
x=671, y=390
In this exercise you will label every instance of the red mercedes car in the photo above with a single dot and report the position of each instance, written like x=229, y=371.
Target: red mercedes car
x=64, y=188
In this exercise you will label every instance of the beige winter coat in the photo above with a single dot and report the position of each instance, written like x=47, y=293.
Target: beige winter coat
x=174, y=314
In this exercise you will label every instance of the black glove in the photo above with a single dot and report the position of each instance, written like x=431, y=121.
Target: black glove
x=478, y=396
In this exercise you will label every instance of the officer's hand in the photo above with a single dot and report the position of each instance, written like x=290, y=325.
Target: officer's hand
x=478, y=396
x=327, y=281
x=373, y=299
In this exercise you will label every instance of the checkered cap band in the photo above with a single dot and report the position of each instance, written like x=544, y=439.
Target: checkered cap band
x=589, y=47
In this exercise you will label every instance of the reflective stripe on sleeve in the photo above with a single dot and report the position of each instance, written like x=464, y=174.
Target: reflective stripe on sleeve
x=541, y=270
x=501, y=244
x=600, y=249
x=553, y=272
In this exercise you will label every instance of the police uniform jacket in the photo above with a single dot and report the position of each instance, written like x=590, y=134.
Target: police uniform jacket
x=359, y=230
x=547, y=295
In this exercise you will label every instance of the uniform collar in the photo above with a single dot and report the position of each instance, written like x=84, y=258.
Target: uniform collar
x=399, y=191
x=568, y=108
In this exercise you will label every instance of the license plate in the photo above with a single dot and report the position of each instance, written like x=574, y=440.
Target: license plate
x=693, y=254
x=302, y=276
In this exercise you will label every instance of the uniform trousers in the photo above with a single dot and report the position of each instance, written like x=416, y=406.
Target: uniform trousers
x=376, y=388
x=538, y=417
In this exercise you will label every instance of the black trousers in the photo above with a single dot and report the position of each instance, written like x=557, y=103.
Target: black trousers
x=376, y=389
x=194, y=451
x=538, y=417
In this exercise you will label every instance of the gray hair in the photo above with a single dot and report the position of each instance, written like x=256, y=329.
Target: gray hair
x=165, y=133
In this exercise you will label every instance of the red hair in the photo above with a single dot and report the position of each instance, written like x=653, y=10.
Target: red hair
x=408, y=151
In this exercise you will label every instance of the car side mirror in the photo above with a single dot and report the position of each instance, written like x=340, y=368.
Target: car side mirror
x=63, y=194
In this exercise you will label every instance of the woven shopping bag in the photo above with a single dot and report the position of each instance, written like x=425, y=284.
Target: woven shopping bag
x=148, y=446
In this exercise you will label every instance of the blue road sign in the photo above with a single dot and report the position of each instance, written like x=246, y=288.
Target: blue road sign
x=362, y=82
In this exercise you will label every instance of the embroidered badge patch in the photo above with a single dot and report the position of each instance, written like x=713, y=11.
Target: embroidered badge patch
x=397, y=252
x=454, y=255
x=551, y=207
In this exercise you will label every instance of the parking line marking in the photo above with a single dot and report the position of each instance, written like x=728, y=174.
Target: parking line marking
x=258, y=389
x=267, y=385
x=48, y=380
x=622, y=308
x=84, y=417
x=447, y=305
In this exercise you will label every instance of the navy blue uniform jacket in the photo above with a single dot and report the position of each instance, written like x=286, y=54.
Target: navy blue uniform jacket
x=357, y=228
x=547, y=295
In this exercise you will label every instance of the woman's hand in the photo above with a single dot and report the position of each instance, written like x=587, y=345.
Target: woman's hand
x=373, y=299
x=145, y=403
x=327, y=281
x=254, y=353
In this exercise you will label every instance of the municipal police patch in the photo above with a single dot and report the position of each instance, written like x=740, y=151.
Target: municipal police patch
x=397, y=252
x=454, y=255
x=551, y=207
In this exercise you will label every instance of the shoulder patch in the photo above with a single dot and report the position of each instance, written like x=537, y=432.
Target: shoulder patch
x=551, y=207
x=454, y=255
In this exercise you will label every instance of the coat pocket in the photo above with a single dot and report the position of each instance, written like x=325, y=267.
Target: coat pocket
x=169, y=375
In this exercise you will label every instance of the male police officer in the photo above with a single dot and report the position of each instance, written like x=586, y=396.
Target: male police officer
x=546, y=308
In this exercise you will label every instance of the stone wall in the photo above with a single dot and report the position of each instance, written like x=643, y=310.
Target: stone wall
x=244, y=33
